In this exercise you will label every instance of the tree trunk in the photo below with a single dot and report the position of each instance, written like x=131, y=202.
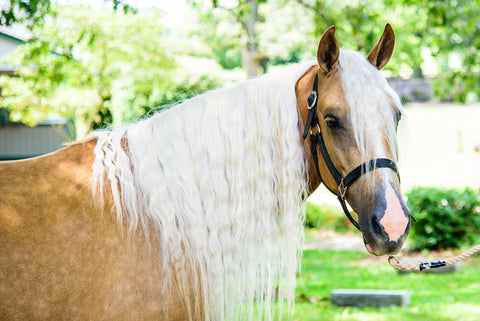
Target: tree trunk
x=250, y=62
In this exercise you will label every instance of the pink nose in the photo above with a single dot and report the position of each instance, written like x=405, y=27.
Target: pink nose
x=388, y=224
x=394, y=221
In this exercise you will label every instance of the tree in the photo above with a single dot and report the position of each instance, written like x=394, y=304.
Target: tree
x=286, y=31
x=31, y=12
x=246, y=14
x=452, y=36
x=449, y=29
x=93, y=67
x=362, y=22
x=285, y=35
x=211, y=34
x=24, y=11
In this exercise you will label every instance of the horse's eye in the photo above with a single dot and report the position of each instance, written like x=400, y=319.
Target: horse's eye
x=332, y=122
x=398, y=117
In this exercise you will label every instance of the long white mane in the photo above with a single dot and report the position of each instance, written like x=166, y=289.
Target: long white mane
x=220, y=180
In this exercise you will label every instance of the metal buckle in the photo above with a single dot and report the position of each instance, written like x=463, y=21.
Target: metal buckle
x=393, y=257
x=310, y=106
x=342, y=189
x=318, y=130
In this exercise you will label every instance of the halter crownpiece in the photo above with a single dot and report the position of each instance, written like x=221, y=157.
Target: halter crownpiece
x=343, y=182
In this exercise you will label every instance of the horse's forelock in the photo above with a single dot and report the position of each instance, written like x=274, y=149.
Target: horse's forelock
x=372, y=103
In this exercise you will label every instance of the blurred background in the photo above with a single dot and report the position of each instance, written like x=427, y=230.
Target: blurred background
x=69, y=67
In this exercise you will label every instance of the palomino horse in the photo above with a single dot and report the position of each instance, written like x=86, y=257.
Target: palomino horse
x=195, y=213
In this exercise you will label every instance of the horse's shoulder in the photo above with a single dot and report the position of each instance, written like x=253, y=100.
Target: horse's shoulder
x=38, y=179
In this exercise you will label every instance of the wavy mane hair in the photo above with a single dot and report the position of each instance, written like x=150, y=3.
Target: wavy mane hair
x=218, y=182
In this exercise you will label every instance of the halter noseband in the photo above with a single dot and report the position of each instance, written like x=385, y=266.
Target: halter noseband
x=316, y=139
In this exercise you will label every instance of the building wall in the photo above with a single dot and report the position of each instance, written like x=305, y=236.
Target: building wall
x=7, y=45
x=19, y=141
x=412, y=89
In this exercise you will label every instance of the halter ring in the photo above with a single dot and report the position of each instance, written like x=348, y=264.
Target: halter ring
x=314, y=100
x=393, y=257
x=318, y=130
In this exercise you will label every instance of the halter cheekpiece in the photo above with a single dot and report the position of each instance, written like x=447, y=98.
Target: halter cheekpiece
x=316, y=139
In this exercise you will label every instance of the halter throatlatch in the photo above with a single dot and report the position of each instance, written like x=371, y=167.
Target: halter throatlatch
x=316, y=139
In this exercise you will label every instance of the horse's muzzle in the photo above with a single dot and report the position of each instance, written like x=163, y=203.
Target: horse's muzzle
x=388, y=225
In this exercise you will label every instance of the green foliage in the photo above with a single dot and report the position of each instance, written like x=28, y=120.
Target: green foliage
x=187, y=89
x=122, y=5
x=31, y=12
x=220, y=38
x=282, y=37
x=23, y=11
x=244, y=14
x=451, y=33
x=454, y=31
x=288, y=31
x=360, y=24
x=446, y=218
x=326, y=217
x=95, y=67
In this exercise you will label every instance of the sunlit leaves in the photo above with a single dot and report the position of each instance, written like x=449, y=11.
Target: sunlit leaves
x=79, y=58
x=25, y=11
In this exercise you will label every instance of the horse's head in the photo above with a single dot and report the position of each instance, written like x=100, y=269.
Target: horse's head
x=358, y=114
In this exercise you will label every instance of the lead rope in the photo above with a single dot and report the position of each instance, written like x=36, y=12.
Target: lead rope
x=421, y=266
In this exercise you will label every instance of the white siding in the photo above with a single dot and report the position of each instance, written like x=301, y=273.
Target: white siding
x=6, y=47
x=21, y=141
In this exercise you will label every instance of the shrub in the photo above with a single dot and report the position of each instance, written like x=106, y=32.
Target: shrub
x=446, y=218
x=326, y=216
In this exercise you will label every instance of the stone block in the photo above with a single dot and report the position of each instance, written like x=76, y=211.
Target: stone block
x=374, y=298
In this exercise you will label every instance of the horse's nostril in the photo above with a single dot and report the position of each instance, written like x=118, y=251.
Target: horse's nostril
x=376, y=227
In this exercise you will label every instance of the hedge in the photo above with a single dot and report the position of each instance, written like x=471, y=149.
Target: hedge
x=446, y=218
x=326, y=217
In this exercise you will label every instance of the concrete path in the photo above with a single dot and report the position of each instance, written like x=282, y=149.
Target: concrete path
x=328, y=240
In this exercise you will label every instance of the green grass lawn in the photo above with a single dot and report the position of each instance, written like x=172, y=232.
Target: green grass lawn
x=433, y=296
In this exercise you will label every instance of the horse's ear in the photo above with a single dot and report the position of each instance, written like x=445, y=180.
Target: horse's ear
x=383, y=50
x=328, y=51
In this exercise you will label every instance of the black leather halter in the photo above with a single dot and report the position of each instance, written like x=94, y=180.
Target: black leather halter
x=316, y=139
